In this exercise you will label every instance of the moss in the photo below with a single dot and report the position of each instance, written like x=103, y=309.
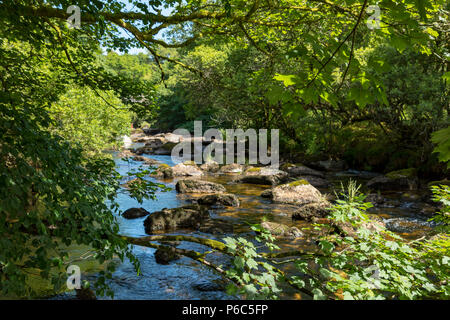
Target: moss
x=298, y=183
x=190, y=163
x=169, y=146
x=254, y=170
x=408, y=173
x=163, y=165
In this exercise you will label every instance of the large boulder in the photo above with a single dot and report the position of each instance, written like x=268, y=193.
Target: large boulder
x=186, y=217
x=198, y=186
x=221, y=199
x=298, y=192
x=405, y=179
x=311, y=211
x=263, y=176
x=281, y=230
x=134, y=213
x=186, y=169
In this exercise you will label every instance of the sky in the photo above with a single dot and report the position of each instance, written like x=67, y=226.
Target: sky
x=130, y=7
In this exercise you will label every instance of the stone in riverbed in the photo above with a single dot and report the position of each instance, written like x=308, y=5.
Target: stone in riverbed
x=298, y=192
x=163, y=171
x=282, y=230
x=166, y=254
x=223, y=199
x=296, y=170
x=186, y=217
x=232, y=168
x=316, y=181
x=311, y=211
x=147, y=161
x=263, y=176
x=198, y=186
x=405, y=179
x=267, y=194
x=186, y=169
x=134, y=213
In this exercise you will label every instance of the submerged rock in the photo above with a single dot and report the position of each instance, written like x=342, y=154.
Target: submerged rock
x=267, y=194
x=298, y=192
x=198, y=186
x=281, y=230
x=166, y=254
x=134, y=213
x=186, y=217
x=207, y=286
x=224, y=199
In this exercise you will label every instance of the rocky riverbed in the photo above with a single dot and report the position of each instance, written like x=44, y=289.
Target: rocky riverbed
x=215, y=201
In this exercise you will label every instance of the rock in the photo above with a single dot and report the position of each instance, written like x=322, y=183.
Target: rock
x=298, y=192
x=186, y=169
x=163, y=171
x=134, y=213
x=210, y=166
x=85, y=294
x=207, y=286
x=310, y=211
x=216, y=226
x=166, y=254
x=282, y=230
x=316, y=181
x=125, y=154
x=264, y=176
x=397, y=180
x=147, y=161
x=198, y=186
x=186, y=217
x=232, y=168
x=332, y=165
x=224, y=199
x=375, y=199
x=347, y=229
x=267, y=194
x=301, y=170
x=165, y=149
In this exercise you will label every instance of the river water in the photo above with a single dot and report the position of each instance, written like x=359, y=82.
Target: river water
x=185, y=278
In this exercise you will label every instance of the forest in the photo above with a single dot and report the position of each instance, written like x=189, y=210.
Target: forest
x=94, y=96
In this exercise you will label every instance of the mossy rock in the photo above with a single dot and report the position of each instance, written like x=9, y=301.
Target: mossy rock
x=298, y=183
x=190, y=163
x=163, y=165
x=169, y=146
x=404, y=173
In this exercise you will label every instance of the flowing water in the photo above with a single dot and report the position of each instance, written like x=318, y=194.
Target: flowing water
x=185, y=278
